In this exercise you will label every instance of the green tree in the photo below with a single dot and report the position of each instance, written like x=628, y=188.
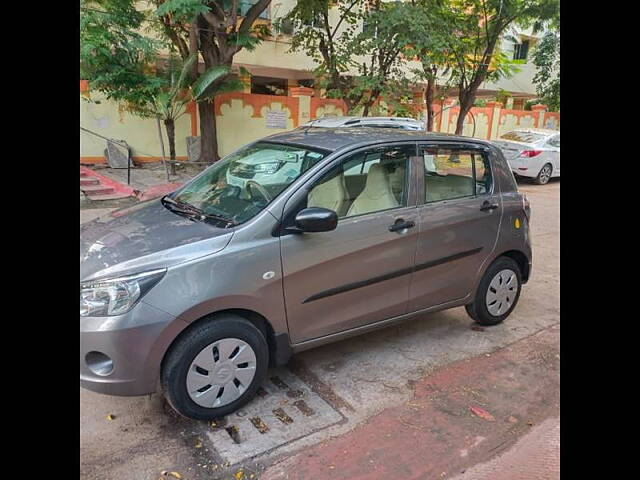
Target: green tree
x=123, y=64
x=329, y=45
x=380, y=48
x=213, y=30
x=428, y=30
x=479, y=26
x=546, y=58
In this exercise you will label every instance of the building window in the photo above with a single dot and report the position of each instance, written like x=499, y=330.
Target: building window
x=245, y=5
x=520, y=50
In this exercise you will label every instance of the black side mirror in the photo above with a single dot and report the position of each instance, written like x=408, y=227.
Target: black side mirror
x=315, y=219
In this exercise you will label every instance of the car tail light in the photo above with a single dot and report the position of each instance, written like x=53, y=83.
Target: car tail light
x=530, y=153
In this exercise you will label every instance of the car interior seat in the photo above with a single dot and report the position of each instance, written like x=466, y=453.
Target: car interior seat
x=377, y=194
x=331, y=194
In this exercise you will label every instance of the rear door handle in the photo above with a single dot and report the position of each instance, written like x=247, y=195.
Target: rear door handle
x=487, y=206
x=400, y=224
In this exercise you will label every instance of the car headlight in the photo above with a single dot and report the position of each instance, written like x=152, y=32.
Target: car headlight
x=268, y=168
x=115, y=296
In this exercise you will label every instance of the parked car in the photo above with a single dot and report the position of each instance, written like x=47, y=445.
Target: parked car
x=400, y=123
x=533, y=152
x=198, y=292
x=261, y=167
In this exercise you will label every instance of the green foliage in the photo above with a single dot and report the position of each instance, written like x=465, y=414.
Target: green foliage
x=114, y=56
x=202, y=87
x=546, y=58
x=503, y=96
x=182, y=9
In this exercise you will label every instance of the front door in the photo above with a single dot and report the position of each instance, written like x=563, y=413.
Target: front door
x=359, y=273
x=459, y=218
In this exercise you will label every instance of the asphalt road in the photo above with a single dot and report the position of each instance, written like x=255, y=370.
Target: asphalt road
x=348, y=382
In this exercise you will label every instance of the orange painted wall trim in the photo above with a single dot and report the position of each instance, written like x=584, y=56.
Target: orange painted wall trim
x=316, y=103
x=257, y=102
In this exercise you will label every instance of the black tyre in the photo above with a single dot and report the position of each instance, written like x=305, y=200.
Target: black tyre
x=215, y=368
x=498, y=292
x=544, y=174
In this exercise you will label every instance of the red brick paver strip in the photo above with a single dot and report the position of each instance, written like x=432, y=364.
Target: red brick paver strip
x=437, y=435
x=536, y=456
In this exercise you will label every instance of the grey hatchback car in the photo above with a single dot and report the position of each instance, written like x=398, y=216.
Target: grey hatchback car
x=197, y=293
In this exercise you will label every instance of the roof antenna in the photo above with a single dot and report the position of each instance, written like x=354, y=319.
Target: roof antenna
x=310, y=125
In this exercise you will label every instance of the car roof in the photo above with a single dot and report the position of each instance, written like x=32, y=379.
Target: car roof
x=338, y=138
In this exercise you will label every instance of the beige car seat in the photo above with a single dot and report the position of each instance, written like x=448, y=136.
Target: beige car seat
x=396, y=180
x=377, y=194
x=331, y=194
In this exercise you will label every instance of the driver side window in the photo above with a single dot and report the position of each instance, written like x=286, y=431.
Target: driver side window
x=366, y=182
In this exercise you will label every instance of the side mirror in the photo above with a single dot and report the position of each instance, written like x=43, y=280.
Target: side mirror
x=315, y=219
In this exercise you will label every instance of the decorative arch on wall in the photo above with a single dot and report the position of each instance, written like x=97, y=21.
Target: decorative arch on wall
x=257, y=102
x=316, y=103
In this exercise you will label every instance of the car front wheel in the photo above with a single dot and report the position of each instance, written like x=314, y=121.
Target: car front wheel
x=215, y=368
x=498, y=292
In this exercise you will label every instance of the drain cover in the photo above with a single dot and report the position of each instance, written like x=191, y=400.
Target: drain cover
x=284, y=410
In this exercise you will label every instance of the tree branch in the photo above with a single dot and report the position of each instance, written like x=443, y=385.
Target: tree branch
x=252, y=15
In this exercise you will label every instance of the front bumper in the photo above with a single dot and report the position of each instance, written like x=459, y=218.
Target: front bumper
x=135, y=342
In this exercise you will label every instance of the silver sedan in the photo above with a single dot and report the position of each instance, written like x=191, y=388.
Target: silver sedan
x=533, y=153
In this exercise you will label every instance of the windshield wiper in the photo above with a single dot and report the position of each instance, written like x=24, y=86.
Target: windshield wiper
x=192, y=210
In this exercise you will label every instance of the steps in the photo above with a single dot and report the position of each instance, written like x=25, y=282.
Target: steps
x=98, y=187
x=86, y=180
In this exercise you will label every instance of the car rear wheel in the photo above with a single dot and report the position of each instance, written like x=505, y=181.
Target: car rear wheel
x=498, y=292
x=544, y=175
x=215, y=368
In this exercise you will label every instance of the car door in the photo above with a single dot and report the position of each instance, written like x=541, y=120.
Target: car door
x=358, y=273
x=458, y=219
x=554, y=154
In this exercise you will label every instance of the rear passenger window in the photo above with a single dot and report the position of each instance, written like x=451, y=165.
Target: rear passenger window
x=452, y=173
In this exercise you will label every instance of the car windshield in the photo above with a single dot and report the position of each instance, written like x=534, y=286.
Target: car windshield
x=241, y=185
x=525, y=137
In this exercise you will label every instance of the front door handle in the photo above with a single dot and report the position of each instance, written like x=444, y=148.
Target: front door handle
x=400, y=224
x=487, y=206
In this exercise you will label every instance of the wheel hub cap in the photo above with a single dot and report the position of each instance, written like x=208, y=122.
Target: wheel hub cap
x=502, y=292
x=221, y=372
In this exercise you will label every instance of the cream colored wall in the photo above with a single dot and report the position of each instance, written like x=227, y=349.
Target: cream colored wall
x=237, y=126
x=481, y=130
x=329, y=110
x=510, y=122
x=141, y=134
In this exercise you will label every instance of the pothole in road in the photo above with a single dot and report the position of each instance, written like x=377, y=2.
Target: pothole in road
x=285, y=410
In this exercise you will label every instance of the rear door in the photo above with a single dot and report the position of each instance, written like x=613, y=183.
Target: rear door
x=459, y=213
x=360, y=272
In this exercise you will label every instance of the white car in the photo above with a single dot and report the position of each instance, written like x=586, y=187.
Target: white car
x=380, y=122
x=532, y=152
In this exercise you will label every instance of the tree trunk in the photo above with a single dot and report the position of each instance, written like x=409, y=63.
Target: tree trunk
x=466, y=99
x=208, y=134
x=429, y=92
x=170, y=127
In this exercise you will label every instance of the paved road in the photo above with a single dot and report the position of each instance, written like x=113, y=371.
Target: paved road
x=353, y=380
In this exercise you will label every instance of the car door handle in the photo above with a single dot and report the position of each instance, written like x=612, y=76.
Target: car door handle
x=487, y=206
x=400, y=224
